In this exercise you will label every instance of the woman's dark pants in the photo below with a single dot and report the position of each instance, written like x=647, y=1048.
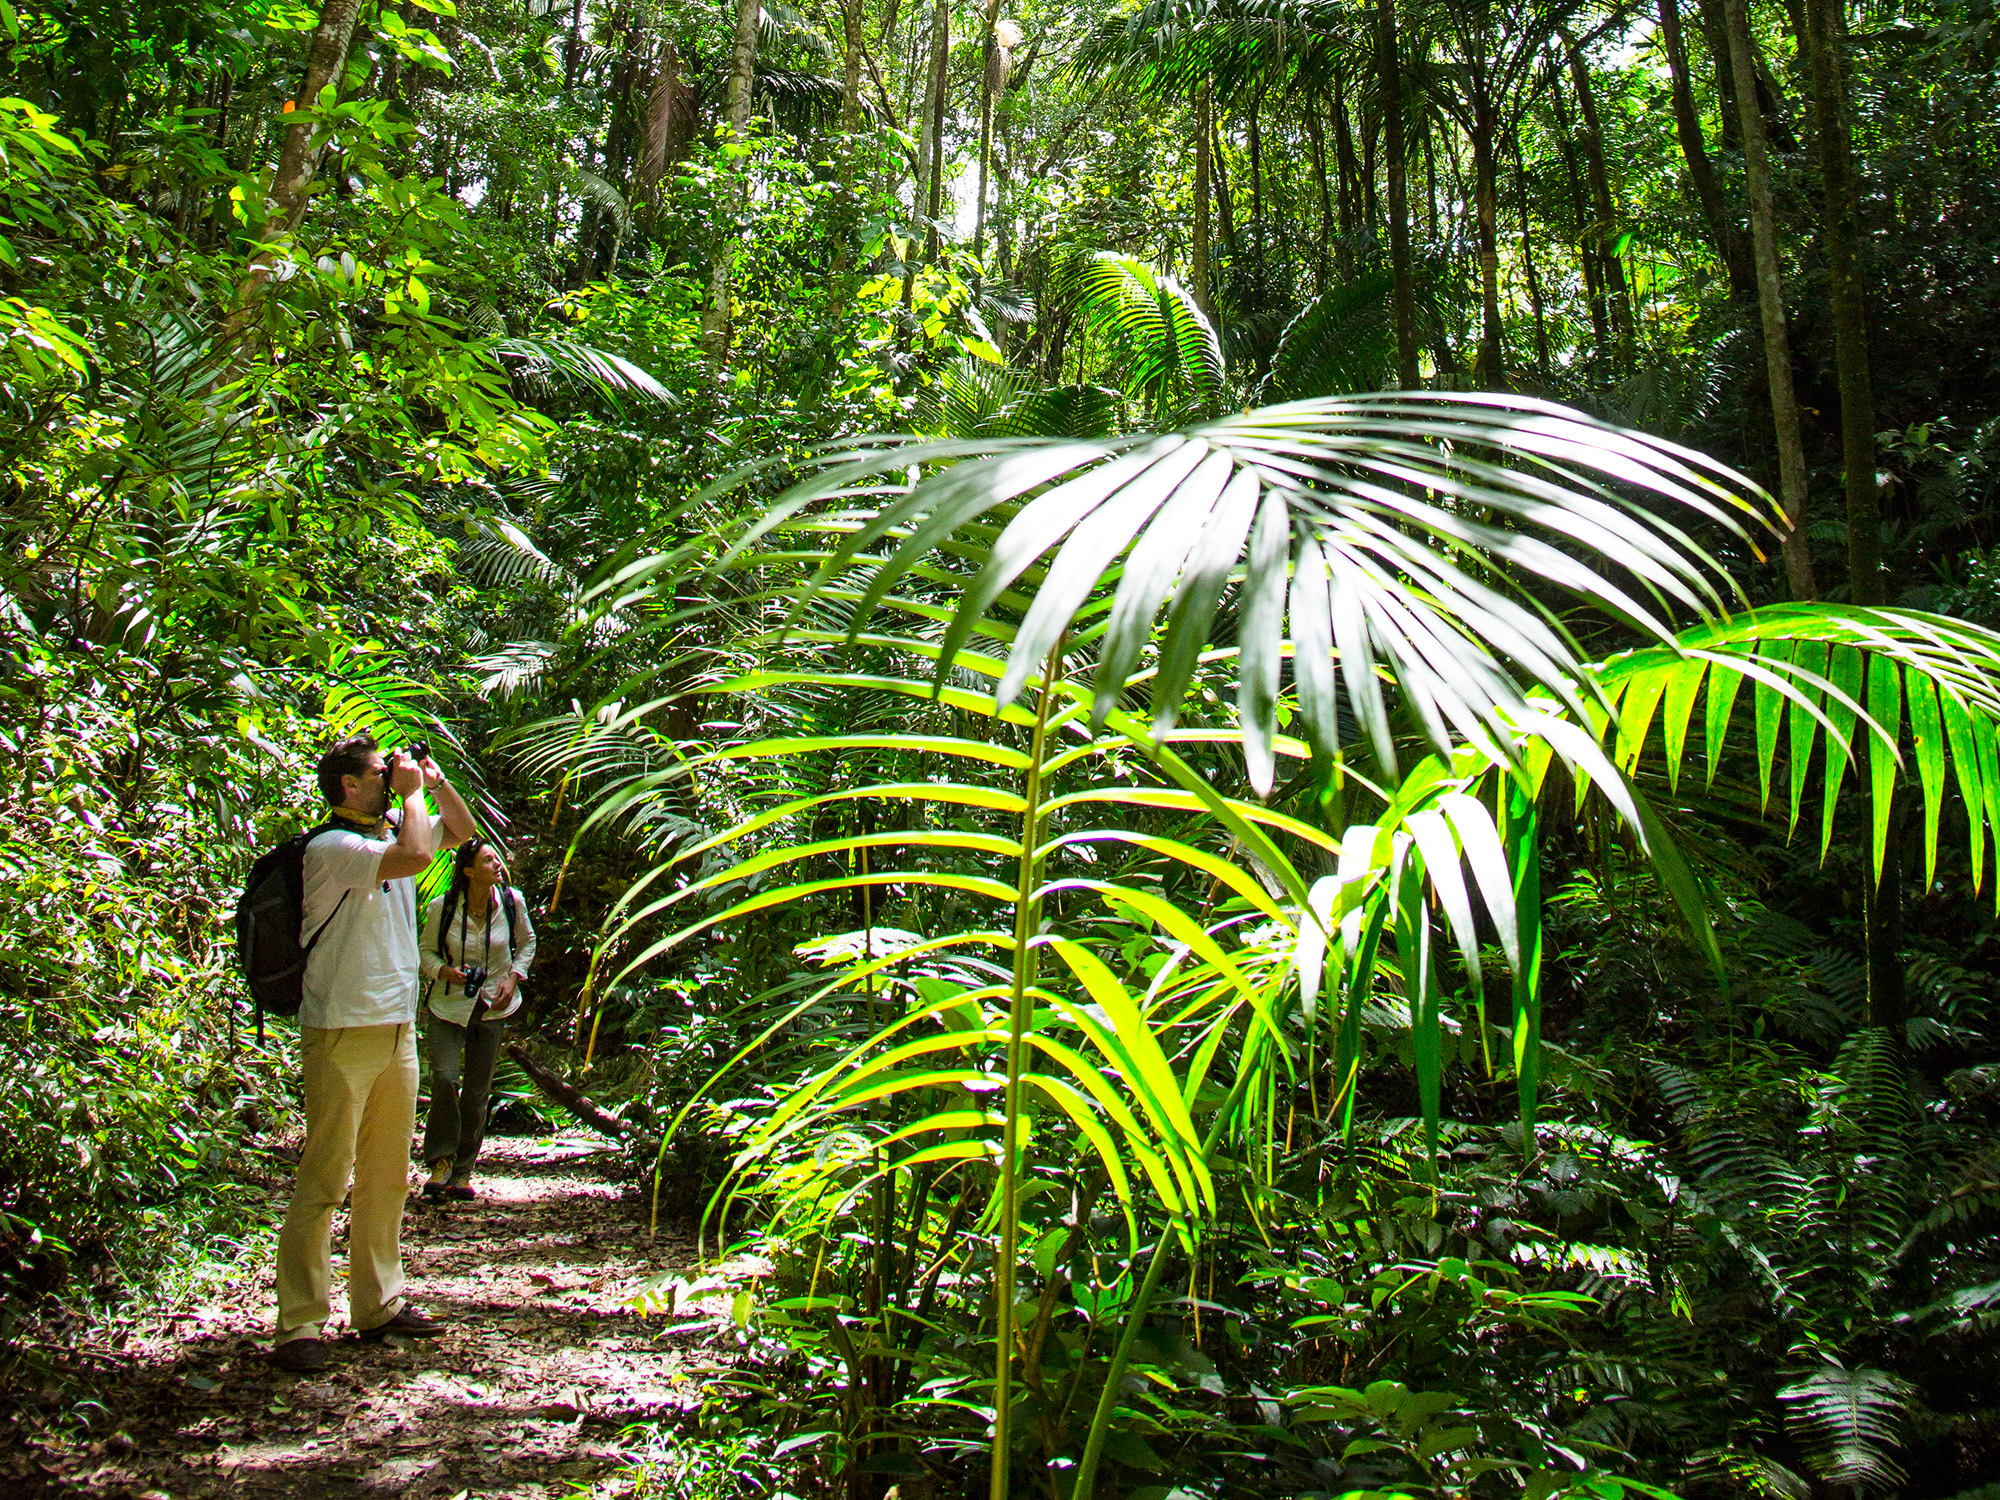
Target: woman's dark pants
x=461, y=1078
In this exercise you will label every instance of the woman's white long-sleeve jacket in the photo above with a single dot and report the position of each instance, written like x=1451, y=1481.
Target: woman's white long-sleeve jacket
x=490, y=950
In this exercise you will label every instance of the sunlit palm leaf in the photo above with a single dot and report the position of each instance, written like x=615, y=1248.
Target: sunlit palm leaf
x=1398, y=532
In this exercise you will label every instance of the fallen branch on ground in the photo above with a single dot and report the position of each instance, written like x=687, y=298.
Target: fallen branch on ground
x=560, y=1091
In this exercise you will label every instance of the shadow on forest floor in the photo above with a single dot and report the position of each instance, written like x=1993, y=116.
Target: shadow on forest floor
x=526, y=1395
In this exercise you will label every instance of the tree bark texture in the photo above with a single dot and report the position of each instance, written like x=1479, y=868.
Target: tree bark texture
x=1486, y=205
x=1722, y=232
x=1198, y=261
x=1841, y=234
x=297, y=161
x=1611, y=268
x=736, y=129
x=1771, y=311
x=1535, y=306
x=1403, y=300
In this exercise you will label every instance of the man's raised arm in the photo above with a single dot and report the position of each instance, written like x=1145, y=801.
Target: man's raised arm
x=452, y=811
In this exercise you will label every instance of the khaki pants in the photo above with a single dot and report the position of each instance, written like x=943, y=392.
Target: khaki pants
x=361, y=1108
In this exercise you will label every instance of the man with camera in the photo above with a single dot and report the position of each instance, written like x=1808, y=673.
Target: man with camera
x=357, y=1041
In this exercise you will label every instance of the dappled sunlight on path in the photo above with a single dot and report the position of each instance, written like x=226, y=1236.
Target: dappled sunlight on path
x=542, y=1368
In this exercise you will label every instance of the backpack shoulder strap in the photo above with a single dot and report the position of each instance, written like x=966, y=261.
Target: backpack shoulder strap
x=304, y=844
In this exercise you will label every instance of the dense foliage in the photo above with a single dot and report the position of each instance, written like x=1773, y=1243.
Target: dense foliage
x=1301, y=875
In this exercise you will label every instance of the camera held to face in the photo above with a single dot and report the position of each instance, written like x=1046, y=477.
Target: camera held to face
x=417, y=750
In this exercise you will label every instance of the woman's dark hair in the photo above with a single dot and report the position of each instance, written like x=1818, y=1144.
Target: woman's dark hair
x=461, y=884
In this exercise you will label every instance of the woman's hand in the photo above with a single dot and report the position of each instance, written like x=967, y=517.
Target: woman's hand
x=503, y=991
x=450, y=975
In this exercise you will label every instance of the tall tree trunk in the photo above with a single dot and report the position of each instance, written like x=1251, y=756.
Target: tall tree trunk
x=1715, y=32
x=1486, y=205
x=1316, y=138
x=850, y=122
x=1370, y=134
x=1841, y=229
x=1595, y=300
x=937, y=99
x=1198, y=267
x=573, y=47
x=1771, y=309
x=297, y=161
x=1826, y=35
x=992, y=75
x=920, y=201
x=850, y=79
x=1528, y=262
x=1225, y=205
x=1349, y=175
x=736, y=129
x=1403, y=299
x=1722, y=232
x=1610, y=267
x=1256, y=165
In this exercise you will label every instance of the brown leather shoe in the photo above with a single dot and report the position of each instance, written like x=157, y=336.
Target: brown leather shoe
x=410, y=1323
x=300, y=1356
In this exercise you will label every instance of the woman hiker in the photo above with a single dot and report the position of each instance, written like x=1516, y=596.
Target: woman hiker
x=477, y=946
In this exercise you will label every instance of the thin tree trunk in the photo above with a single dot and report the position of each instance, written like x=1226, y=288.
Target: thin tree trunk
x=1316, y=137
x=920, y=201
x=1370, y=198
x=1225, y=205
x=1771, y=309
x=1403, y=300
x=1715, y=32
x=1610, y=266
x=1826, y=26
x=1528, y=262
x=1198, y=267
x=1722, y=231
x=736, y=129
x=850, y=81
x=850, y=122
x=992, y=74
x=938, y=101
x=1486, y=203
x=1348, y=175
x=298, y=162
x=1841, y=226
x=1586, y=249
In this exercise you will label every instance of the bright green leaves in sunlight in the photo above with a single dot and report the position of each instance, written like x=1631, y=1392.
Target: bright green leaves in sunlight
x=1358, y=521
x=1817, y=674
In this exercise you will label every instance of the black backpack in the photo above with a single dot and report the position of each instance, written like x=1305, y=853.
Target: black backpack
x=270, y=915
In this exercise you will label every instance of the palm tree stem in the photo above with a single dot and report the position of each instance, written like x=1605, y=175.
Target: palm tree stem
x=1027, y=915
x=1135, y=1316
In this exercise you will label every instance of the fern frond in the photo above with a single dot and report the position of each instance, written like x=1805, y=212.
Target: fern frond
x=1847, y=1422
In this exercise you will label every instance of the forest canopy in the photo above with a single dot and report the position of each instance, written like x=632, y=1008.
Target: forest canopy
x=1255, y=740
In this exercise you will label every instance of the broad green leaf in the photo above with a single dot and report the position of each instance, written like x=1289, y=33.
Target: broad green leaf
x=1885, y=707
x=1927, y=736
x=1845, y=672
x=1965, y=761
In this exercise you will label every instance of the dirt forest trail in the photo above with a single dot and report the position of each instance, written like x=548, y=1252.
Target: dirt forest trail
x=525, y=1397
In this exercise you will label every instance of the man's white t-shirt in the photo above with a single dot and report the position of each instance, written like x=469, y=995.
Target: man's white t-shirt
x=363, y=970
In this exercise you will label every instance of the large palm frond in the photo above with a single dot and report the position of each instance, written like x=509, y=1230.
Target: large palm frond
x=1343, y=340
x=1399, y=532
x=1168, y=352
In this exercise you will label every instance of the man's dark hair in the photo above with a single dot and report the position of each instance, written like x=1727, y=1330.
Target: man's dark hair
x=348, y=757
